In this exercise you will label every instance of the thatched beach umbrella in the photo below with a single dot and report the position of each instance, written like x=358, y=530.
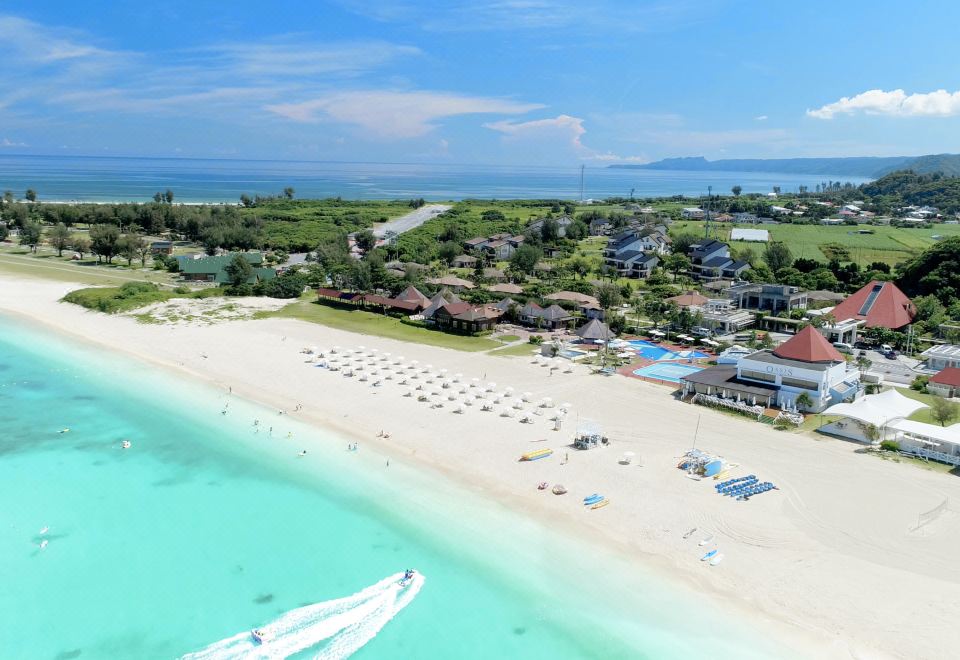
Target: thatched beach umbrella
x=595, y=330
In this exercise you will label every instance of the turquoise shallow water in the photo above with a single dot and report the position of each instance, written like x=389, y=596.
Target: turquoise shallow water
x=205, y=528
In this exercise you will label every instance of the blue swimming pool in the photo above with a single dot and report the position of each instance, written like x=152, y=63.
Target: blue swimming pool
x=571, y=354
x=669, y=371
x=652, y=351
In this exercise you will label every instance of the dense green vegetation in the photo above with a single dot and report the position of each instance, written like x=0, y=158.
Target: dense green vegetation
x=130, y=296
x=469, y=219
x=301, y=225
x=907, y=187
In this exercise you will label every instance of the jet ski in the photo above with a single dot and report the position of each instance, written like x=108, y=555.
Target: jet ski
x=259, y=635
x=407, y=577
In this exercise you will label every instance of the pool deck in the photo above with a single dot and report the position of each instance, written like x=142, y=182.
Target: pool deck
x=639, y=363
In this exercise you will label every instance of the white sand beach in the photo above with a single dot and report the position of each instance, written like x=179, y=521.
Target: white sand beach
x=834, y=556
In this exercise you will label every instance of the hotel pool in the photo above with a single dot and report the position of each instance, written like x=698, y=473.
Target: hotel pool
x=658, y=353
x=571, y=354
x=669, y=371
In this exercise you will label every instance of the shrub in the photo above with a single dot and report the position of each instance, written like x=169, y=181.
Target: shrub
x=920, y=383
x=182, y=290
x=890, y=445
x=535, y=339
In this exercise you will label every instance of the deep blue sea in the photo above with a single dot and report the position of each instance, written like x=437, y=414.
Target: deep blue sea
x=207, y=526
x=111, y=179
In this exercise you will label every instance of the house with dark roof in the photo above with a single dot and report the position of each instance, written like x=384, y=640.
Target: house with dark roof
x=806, y=363
x=878, y=305
x=464, y=317
x=475, y=244
x=710, y=261
x=563, y=222
x=500, y=248
x=464, y=261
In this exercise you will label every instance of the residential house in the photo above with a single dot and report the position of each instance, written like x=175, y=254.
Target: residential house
x=946, y=383
x=464, y=261
x=501, y=249
x=599, y=226
x=474, y=244
x=688, y=300
x=691, y=213
x=162, y=247
x=563, y=222
x=710, y=261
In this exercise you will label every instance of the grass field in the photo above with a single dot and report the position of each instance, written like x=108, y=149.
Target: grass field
x=368, y=323
x=50, y=267
x=891, y=245
x=518, y=350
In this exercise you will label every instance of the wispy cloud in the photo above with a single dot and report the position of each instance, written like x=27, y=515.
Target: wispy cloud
x=538, y=15
x=761, y=118
x=7, y=143
x=563, y=127
x=395, y=114
x=897, y=103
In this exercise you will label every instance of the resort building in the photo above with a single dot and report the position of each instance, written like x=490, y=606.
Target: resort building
x=464, y=317
x=162, y=247
x=691, y=213
x=945, y=383
x=688, y=300
x=464, y=261
x=214, y=269
x=805, y=364
x=942, y=356
x=562, y=223
x=773, y=298
x=722, y=317
x=878, y=305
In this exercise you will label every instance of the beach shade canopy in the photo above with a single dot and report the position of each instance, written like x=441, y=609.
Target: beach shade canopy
x=595, y=330
x=443, y=371
x=526, y=396
x=877, y=409
x=491, y=387
x=508, y=389
x=547, y=401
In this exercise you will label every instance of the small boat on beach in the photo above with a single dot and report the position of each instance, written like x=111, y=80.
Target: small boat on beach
x=593, y=499
x=599, y=505
x=536, y=455
x=706, y=540
x=716, y=560
x=559, y=490
x=709, y=555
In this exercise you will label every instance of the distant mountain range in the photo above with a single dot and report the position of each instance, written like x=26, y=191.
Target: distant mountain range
x=872, y=167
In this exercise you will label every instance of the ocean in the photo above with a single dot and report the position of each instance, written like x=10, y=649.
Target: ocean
x=209, y=525
x=112, y=179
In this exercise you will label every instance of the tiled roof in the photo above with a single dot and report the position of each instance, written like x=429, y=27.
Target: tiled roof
x=949, y=376
x=808, y=345
x=881, y=304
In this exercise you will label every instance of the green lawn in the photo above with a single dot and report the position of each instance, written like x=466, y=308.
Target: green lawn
x=51, y=267
x=368, y=323
x=518, y=350
x=888, y=244
x=130, y=296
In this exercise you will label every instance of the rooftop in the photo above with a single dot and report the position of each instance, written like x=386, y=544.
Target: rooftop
x=808, y=345
x=880, y=304
x=949, y=376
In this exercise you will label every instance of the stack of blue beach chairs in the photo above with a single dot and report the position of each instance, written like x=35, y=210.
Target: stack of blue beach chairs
x=743, y=488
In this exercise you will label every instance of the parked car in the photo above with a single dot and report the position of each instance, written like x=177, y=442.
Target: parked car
x=842, y=347
x=702, y=332
x=890, y=355
x=886, y=348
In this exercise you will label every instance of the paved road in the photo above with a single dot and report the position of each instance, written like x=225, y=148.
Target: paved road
x=902, y=370
x=410, y=220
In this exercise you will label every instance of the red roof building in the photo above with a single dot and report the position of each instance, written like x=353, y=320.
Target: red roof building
x=949, y=376
x=945, y=383
x=880, y=304
x=808, y=345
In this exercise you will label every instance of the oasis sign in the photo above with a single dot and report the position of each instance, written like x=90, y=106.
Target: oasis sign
x=780, y=371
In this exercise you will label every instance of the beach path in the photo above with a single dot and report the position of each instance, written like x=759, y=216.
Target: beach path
x=411, y=220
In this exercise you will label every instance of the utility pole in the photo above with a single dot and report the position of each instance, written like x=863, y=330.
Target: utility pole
x=706, y=228
x=581, y=182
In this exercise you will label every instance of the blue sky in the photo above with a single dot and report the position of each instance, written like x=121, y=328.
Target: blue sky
x=480, y=81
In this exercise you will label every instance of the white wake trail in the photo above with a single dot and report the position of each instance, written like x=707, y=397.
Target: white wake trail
x=338, y=628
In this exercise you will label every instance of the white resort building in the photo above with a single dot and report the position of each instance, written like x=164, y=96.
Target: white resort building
x=807, y=363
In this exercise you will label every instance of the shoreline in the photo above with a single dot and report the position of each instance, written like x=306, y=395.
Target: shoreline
x=645, y=532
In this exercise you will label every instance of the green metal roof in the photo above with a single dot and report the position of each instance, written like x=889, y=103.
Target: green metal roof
x=216, y=266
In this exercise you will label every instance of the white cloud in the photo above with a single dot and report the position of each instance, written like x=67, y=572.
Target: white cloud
x=7, y=143
x=394, y=114
x=898, y=103
x=300, y=58
x=564, y=127
x=760, y=118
